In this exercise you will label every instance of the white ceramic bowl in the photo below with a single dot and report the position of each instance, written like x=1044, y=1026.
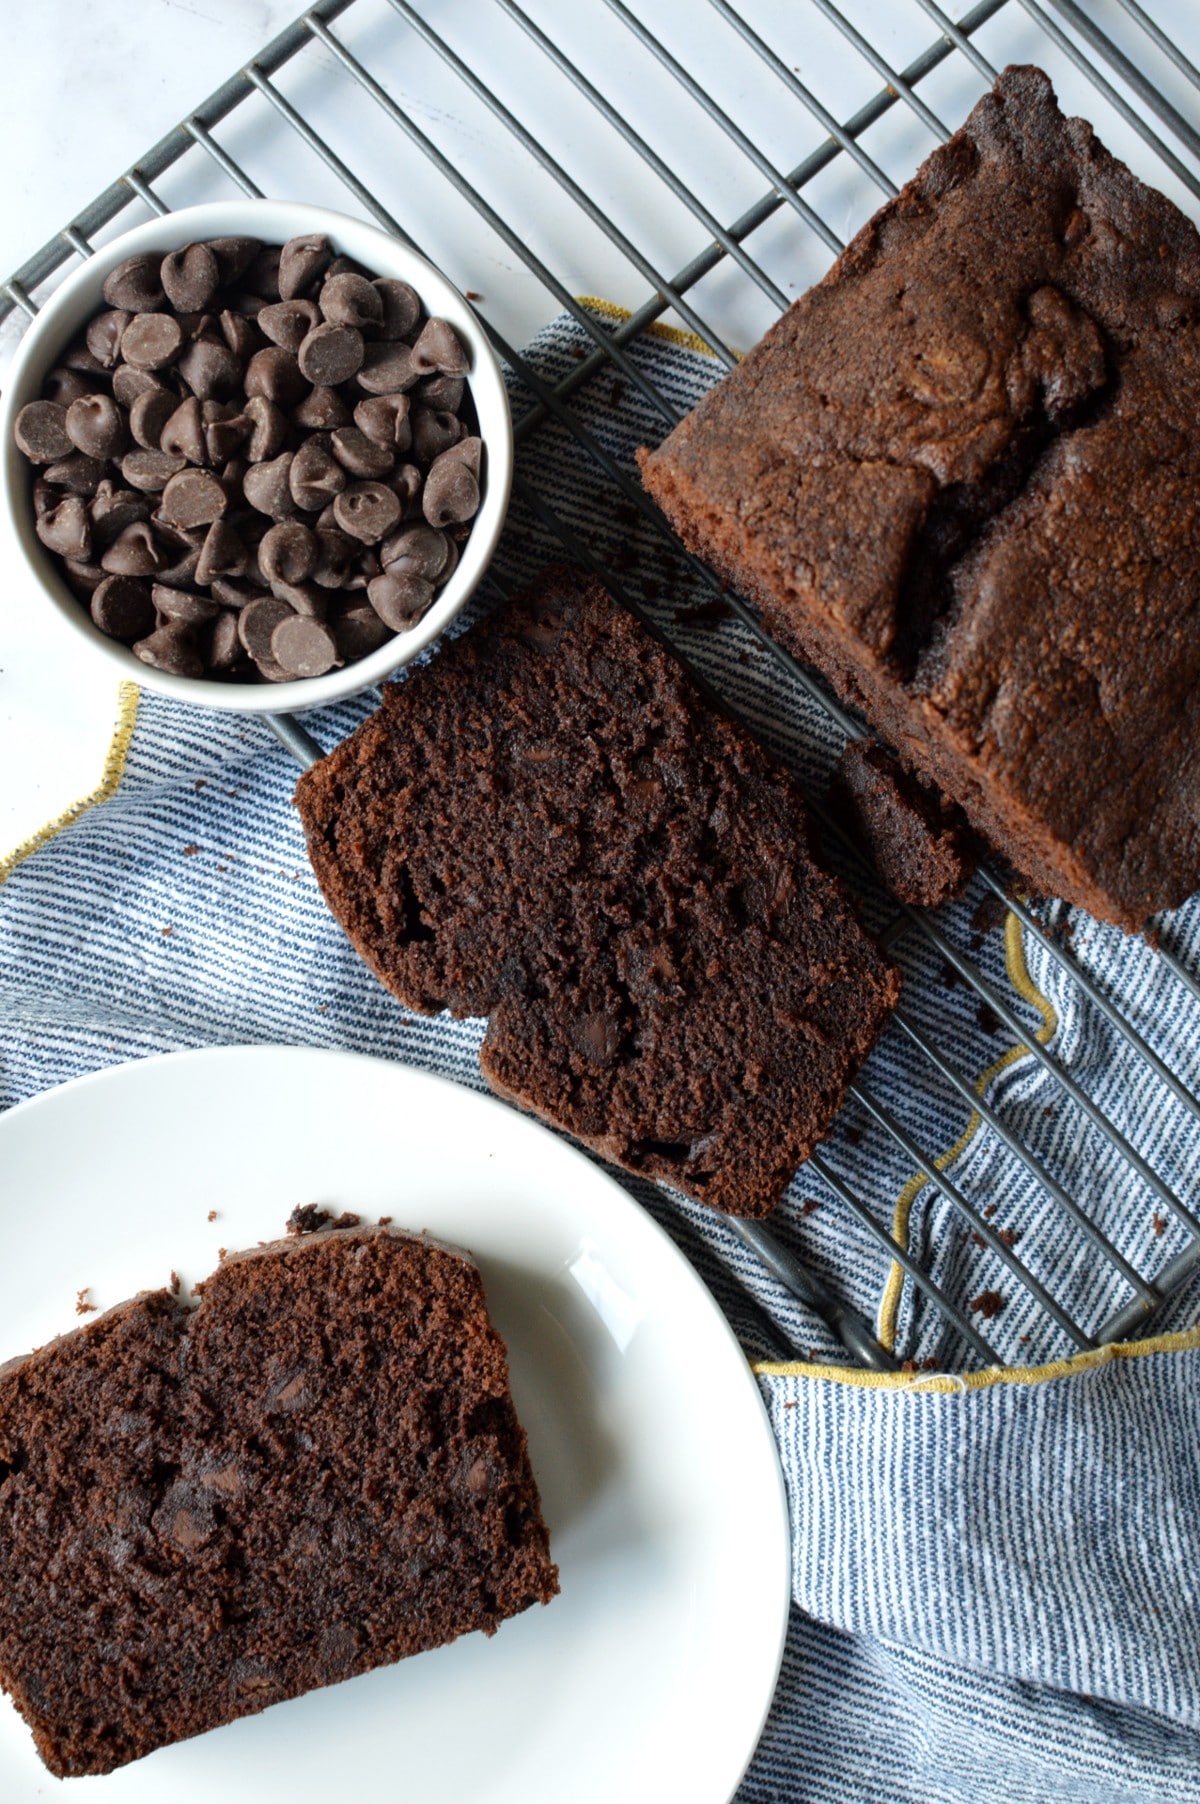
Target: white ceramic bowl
x=64, y=317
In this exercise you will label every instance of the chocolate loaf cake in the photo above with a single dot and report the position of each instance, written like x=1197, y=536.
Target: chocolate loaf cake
x=549, y=826
x=316, y=1472
x=962, y=476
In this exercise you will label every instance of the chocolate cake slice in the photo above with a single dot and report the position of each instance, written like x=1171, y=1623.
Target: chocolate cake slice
x=548, y=825
x=919, y=842
x=316, y=1472
x=961, y=475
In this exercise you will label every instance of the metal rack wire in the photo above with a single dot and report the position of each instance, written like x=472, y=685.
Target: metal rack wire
x=1076, y=35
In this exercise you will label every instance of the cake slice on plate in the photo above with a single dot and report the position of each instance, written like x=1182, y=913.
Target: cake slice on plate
x=317, y=1471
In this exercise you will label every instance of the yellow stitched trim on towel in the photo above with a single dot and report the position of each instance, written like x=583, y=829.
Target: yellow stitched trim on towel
x=952, y=1384
x=691, y=341
x=110, y=782
x=1014, y=955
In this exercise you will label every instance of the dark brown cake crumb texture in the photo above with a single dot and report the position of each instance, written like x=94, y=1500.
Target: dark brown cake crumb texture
x=316, y=1472
x=549, y=826
x=961, y=476
x=918, y=842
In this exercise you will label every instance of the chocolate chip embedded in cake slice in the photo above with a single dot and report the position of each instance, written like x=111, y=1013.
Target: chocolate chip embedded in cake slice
x=549, y=825
x=316, y=1472
x=960, y=476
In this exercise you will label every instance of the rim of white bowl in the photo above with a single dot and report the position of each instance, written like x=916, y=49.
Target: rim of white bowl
x=75, y=301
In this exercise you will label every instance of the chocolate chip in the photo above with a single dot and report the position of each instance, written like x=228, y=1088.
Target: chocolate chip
x=234, y=257
x=275, y=374
x=451, y=493
x=267, y=488
x=150, y=470
x=45, y=496
x=41, y=432
x=330, y=354
x=359, y=632
x=350, y=300
x=384, y=419
x=104, y=335
x=225, y=435
x=433, y=431
x=288, y=323
x=84, y=579
x=240, y=334
x=261, y=274
x=222, y=554
x=301, y=261
x=113, y=509
x=303, y=647
x=121, y=608
x=335, y=557
x=268, y=429
x=322, y=410
x=235, y=594
x=79, y=473
x=288, y=553
x=387, y=369
x=128, y=384
x=152, y=341
x=416, y=551
x=211, y=370
x=359, y=454
x=183, y=434
x=405, y=483
x=439, y=391
x=190, y=278
x=171, y=649
x=225, y=650
x=451, y=564
x=258, y=620
x=135, y=552
x=183, y=570
x=367, y=511
x=66, y=528
x=400, y=601
x=78, y=357
x=303, y=598
x=148, y=415
x=183, y=605
x=64, y=386
x=134, y=285
x=194, y=498
x=439, y=349
x=316, y=475
x=401, y=306
x=468, y=451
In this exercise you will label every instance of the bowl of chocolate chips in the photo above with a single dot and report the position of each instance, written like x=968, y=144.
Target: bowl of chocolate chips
x=257, y=455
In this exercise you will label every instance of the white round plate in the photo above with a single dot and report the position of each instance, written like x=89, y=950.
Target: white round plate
x=649, y=1678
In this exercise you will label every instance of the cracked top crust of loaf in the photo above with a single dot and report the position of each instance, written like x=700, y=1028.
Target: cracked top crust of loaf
x=962, y=476
x=550, y=826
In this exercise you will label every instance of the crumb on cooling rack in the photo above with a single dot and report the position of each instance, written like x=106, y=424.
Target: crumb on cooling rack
x=988, y=1304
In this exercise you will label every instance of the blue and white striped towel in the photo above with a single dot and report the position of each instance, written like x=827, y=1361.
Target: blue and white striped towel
x=995, y=1580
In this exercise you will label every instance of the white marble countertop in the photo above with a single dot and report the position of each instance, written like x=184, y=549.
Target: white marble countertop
x=91, y=84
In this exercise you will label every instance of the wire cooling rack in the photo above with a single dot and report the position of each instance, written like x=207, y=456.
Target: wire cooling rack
x=745, y=269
